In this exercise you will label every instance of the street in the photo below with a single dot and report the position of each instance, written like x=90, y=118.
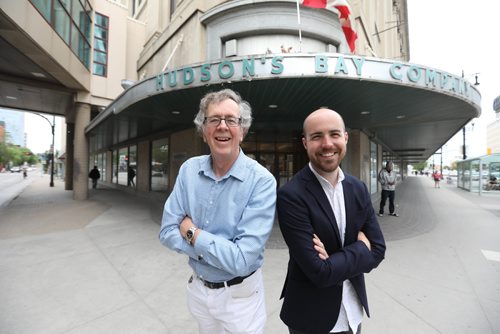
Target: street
x=12, y=184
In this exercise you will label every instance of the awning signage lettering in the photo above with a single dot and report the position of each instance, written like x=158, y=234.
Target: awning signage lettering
x=342, y=66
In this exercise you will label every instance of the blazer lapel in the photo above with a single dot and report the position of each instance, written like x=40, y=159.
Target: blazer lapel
x=348, y=202
x=314, y=187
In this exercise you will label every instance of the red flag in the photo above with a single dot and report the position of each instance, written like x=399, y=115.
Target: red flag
x=343, y=10
x=314, y=3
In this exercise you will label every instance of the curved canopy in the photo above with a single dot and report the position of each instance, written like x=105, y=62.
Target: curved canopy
x=410, y=109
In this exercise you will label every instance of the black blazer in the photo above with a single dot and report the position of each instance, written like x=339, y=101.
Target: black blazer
x=313, y=287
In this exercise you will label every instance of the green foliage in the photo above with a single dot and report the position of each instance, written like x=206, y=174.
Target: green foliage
x=420, y=166
x=16, y=156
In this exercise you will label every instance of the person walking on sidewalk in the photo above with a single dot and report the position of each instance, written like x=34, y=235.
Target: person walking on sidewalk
x=130, y=177
x=387, y=178
x=328, y=222
x=94, y=175
x=437, y=178
x=220, y=214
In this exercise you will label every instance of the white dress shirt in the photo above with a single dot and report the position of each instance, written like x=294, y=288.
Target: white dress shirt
x=351, y=310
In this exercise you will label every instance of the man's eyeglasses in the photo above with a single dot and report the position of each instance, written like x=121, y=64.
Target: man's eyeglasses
x=214, y=121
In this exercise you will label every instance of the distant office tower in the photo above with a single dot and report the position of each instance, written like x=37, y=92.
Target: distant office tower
x=13, y=127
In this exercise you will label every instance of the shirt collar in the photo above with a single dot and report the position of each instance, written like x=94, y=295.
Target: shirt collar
x=324, y=181
x=237, y=169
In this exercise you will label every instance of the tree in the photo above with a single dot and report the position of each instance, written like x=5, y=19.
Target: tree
x=15, y=155
x=420, y=166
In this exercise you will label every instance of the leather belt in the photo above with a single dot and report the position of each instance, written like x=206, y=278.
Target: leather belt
x=218, y=285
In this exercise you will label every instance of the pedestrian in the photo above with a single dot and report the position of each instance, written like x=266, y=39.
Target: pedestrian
x=328, y=222
x=220, y=214
x=130, y=176
x=437, y=178
x=94, y=175
x=387, y=178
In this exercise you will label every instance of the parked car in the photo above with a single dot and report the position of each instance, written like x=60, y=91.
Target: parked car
x=15, y=169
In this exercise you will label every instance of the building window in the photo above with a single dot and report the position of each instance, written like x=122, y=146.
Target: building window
x=137, y=6
x=173, y=5
x=122, y=166
x=159, y=165
x=101, y=28
x=132, y=166
x=71, y=20
x=114, y=167
x=373, y=168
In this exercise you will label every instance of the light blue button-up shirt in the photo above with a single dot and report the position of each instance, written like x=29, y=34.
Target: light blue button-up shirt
x=235, y=214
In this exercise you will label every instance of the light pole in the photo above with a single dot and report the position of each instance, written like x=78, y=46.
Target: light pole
x=52, y=126
x=476, y=83
x=463, y=132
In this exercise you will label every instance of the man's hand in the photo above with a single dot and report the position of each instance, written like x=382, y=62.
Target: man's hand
x=362, y=237
x=320, y=248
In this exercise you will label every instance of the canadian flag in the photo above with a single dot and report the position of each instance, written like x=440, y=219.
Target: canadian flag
x=341, y=7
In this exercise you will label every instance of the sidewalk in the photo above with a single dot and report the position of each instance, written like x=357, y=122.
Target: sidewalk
x=97, y=266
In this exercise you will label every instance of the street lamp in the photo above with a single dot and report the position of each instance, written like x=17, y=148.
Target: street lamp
x=463, y=133
x=476, y=83
x=52, y=126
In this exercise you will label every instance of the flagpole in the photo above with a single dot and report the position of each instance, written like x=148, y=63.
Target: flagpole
x=300, y=29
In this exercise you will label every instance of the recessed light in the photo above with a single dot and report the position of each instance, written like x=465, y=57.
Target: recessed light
x=273, y=106
x=11, y=97
x=38, y=74
x=364, y=112
x=400, y=116
x=175, y=112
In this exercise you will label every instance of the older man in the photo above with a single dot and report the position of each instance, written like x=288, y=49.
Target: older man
x=220, y=214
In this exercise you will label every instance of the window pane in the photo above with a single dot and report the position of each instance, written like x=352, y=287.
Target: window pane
x=114, y=177
x=122, y=166
x=159, y=165
x=98, y=69
x=99, y=57
x=44, y=7
x=99, y=44
x=61, y=22
x=132, y=166
x=75, y=41
x=77, y=13
x=65, y=3
x=101, y=33
x=373, y=168
x=101, y=20
x=102, y=165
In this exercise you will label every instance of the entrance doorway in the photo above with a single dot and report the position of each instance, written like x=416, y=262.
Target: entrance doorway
x=282, y=159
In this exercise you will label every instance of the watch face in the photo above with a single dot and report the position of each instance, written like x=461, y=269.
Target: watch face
x=189, y=234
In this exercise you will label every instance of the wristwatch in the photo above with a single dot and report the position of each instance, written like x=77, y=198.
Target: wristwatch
x=190, y=234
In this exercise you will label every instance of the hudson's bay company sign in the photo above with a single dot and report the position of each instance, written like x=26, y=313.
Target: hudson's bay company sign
x=301, y=65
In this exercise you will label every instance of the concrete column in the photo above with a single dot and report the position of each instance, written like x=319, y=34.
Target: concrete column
x=81, y=152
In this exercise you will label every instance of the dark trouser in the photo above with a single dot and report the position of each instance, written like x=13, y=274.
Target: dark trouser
x=385, y=194
x=94, y=183
x=292, y=331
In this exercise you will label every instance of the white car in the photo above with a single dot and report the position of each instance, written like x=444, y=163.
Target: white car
x=15, y=169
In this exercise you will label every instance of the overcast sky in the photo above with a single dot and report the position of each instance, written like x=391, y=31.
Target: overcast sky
x=39, y=132
x=451, y=35
x=456, y=35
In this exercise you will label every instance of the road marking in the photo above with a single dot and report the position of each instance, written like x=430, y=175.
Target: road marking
x=491, y=255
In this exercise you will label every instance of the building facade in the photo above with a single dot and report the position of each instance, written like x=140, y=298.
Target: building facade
x=130, y=75
x=13, y=127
